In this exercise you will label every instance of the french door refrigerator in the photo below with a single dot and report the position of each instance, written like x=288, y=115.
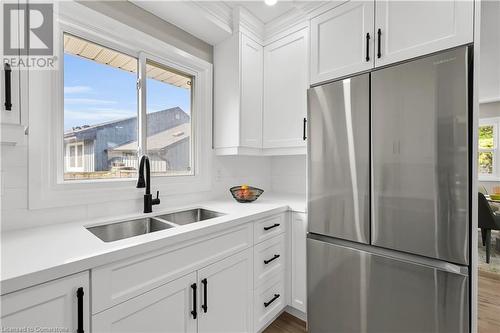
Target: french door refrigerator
x=388, y=243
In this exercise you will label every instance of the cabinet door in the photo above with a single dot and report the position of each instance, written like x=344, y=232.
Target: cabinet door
x=251, y=93
x=299, y=231
x=285, y=91
x=10, y=114
x=163, y=309
x=49, y=305
x=410, y=29
x=342, y=41
x=226, y=295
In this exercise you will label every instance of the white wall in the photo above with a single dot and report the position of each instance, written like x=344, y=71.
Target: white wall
x=489, y=85
x=140, y=19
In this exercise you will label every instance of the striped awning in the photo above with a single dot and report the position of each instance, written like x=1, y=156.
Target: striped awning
x=85, y=49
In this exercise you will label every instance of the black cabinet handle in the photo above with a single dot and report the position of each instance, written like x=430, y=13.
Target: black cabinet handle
x=368, y=47
x=276, y=296
x=79, y=298
x=304, y=137
x=276, y=256
x=194, y=313
x=8, y=100
x=272, y=226
x=205, y=297
x=379, y=36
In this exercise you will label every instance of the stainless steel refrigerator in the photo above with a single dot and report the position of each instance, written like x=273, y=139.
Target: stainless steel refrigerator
x=389, y=198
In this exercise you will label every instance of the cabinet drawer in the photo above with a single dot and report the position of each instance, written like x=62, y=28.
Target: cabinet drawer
x=269, y=227
x=269, y=258
x=269, y=300
x=122, y=280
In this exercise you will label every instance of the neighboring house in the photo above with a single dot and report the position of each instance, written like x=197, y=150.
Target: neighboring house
x=113, y=144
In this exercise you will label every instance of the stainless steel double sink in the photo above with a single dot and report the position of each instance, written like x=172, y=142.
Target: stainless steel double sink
x=131, y=228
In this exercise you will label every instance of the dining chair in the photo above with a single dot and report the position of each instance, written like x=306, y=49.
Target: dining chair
x=487, y=221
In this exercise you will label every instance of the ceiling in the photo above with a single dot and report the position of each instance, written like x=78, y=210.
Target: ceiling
x=264, y=12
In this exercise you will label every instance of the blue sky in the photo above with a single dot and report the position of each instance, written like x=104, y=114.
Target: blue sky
x=95, y=93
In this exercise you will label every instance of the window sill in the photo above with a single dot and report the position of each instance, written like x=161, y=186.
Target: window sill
x=489, y=179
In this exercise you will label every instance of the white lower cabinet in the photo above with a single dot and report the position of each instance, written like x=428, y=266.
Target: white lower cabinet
x=269, y=301
x=299, y=265
x=226, y=289
x=60, y=305
x=164, y=309
x=217, y=298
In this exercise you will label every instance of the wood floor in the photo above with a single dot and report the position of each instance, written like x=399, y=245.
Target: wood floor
x=489, y=303
x=286, y=323
x=488, y=310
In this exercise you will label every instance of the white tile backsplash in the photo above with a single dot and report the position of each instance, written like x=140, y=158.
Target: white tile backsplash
x=269, y=173
x=288, y=174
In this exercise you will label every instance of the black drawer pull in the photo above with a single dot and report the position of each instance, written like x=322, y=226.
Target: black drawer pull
x=8, y=100
x=379, y=34
x=193, y=312
x=367, y=47
x=276, y=296
x=276, y=256
x=79, y=298
x=272, y=226
x=205, y=297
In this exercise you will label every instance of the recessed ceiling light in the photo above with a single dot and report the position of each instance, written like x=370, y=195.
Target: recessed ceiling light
x=270, y=2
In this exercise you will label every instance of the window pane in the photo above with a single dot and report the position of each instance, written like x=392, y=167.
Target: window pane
x=100, y=110
x=486, y=137
x=169, y=144
x=79, y=159
x=72, y=156
x=486, y=162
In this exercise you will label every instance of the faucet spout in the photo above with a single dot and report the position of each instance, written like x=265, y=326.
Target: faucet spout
x=145, y=181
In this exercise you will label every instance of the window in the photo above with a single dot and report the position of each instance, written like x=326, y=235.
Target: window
x=168, y=105
x=74, y=160
x=101, y=113
x=100, y=108
x=488, y=146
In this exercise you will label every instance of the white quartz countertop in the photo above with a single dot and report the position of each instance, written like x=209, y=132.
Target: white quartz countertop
x=36, y=255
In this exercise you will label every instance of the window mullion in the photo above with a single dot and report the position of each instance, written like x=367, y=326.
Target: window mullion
x=141, y=102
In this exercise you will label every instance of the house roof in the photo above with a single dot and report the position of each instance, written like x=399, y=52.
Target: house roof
x=160, y=140
x=88, y=50
x=89, y=128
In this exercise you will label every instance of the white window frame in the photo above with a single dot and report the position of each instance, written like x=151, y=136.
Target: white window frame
x=46, y=110
x=495, y=122
x=69, y=168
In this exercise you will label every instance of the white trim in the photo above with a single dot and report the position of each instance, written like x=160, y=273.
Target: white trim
x=488, y=100
x=46, y=188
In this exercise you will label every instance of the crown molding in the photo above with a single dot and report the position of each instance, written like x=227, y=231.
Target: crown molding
x=247, y=23
x=219, y=12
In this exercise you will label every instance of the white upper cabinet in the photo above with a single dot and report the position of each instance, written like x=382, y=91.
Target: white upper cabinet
x=238, y=66
x=357, y=36
x=10, y=76
x=62, y=303
x=251, y=93
x=285, y=90
x=342, y=41
x=410, y=29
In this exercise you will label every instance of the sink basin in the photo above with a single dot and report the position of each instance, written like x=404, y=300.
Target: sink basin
x=190, y=216
x=121, y=230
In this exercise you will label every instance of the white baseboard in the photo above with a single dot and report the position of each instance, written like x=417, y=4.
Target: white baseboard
x=296, y=313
